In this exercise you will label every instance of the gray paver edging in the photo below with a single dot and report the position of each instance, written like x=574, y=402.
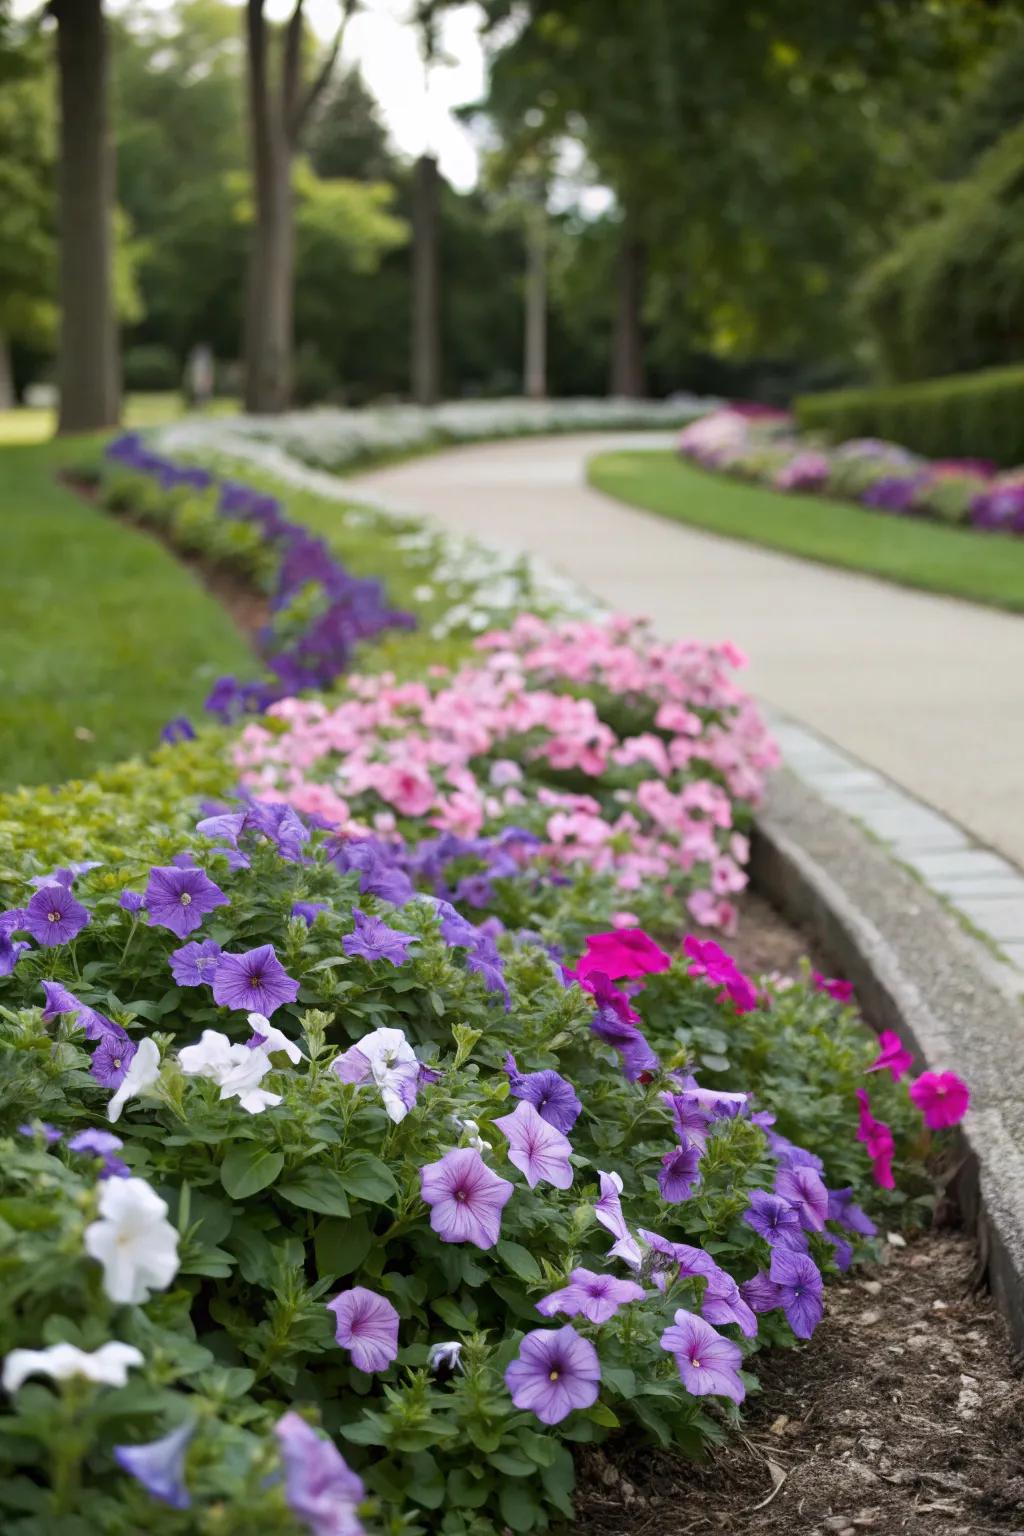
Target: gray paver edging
x=917, y=972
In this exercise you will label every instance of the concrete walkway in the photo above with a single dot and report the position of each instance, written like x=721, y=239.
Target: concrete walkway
x=928, y=690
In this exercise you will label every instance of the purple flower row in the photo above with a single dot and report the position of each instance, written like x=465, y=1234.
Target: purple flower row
x=349, y=608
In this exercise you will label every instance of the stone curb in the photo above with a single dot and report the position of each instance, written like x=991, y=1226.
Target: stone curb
x=917, y=972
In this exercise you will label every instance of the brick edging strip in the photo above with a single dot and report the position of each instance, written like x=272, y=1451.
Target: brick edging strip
x=918, y=972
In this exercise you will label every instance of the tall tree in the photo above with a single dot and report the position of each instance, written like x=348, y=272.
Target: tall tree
x=426, y=282
x=88, y=366
x=27, y=247
x=278, y=115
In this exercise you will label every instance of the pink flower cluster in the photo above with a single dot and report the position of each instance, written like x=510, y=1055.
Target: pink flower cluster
x=539, y=733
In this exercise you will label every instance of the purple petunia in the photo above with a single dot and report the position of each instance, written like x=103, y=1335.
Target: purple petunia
x=608, y=1210
x=58, y=1000
x=551, y=1095
x=11, y=951
x=367, y=1326
x=43, y=1129
x=112, y=1057
x=536, y=1147
x=131, y=901
x=309, y=910
x=179, y=899
x=466, y=1198
x=637, y=1056
x=53, y=916
x=775, y=1220
x=680, y=1173
x=484, y=960
x=373, y=939
x=255, y=981
x=761, y=1293
x=598, y=1297
x=800, y=1289
x=103, y=1144
x=160, y=1465
x=195, y=963
x=554, y=1372
x=843, y=1209
x=320, y=1487
x=708, y=1364
x=804, y=1190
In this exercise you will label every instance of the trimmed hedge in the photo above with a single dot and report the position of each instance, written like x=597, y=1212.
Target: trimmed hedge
x=970, y=415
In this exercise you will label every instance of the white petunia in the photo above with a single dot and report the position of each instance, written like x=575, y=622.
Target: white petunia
x=133, y=1240
x=386, y=1058
x=238, y=1070
x=447, y=1355
x=107, y=1365
x=142, y=1073
x=272, y=1039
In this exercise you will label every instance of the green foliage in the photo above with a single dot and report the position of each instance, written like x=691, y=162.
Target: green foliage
x=67, y=706
x=913, y=553
x=975, y=415
x=152, y=367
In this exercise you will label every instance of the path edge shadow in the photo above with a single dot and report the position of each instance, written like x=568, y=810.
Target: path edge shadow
x=918, y=972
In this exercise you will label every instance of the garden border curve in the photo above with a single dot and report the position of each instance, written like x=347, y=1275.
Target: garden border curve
x=918, y=972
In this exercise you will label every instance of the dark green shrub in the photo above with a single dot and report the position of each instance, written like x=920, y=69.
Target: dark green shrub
x=971, y=415
x=151, y=368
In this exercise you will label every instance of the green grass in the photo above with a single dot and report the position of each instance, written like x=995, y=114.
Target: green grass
x=106, y=635
x=962, y=562
x=35, y=424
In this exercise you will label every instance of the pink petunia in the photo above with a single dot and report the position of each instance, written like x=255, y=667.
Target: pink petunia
x=537, y=1148
x=878, y=1139
x=893, y=1056
x=625, y=952
x=942, y=1097
x=841, y=991
x=367, y=1326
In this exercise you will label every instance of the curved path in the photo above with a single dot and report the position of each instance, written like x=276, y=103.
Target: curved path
x=928, y=690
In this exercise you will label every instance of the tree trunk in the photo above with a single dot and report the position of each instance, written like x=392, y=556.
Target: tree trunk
x=88, y=369
x=268, y=370
x=426, y=312
x=535, y=384
x=627, y=371
x=7, y=397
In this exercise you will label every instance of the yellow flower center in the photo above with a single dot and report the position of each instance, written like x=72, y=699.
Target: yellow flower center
x=553, y=1376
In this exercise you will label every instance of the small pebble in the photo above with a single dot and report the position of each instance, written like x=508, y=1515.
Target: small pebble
x=895, y=1240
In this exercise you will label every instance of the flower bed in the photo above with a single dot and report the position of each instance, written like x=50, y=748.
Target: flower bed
x=366, y=1101
x=342, y=440
x=764, y=446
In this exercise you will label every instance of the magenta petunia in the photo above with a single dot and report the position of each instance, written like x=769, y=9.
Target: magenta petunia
x=53, y=916
x=878, y=1139
x=179, y=899
x=624, y=952
x=255, y=981
x=466, y=1198
x=803, y=1188
x=598, y=1297
x=555, y=1372
x=367, y=1326
x=841, y=991
x=535, y=1147
x=708, y=1364
x=942, y=1097
x=893, y=1056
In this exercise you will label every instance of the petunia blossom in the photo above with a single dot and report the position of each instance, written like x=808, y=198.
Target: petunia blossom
x=608, y=1210
x=255, y=982
x=624, y=952
x=53, y=916
x=98, y=1143
x=108, y=1366
x=878, y=1139
x=555, y=1372
x=843, y=1209
x=160, y=1465
x=386, y=1058
x=535, y=1147
x=552, y=1096
x=708, y=1363
x=893, y=1057
x=800, y=1290
x=597, y=1297
x=841, y=991
x=267, y=1037
x=803, y=1188
x=367, y=1326
x=142, y=1073
x=679, y=1173
x=133, y=1240
x=466, y=1198
x=373, y=939
x=194, y=964
x=942, y=1097
x=321, y=1489
x=179, y=899
x=237, y=1070
x=774, y=1219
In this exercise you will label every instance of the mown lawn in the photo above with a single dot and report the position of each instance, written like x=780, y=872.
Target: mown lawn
x=105, y=635
x=35, y=424
x=986, y=568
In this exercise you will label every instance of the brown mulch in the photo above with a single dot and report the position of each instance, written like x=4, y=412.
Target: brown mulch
x=245, y=605
x=764, y=941
x=904, y=1414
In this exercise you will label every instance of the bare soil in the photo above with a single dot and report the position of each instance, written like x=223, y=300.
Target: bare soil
x=905, y=1414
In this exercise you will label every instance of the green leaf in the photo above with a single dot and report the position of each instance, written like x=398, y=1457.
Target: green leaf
x=559, y=1480
x=519, y=1260
x=602, y=1414
x=370, y=1430
x=715, y=1063
x=368, y=1178
x=467, y=1492
x=316, y=1189
x=621, y=1378
x=512, y=1465
x=249, y=1168
x=518, y=1506
x=426, y=1485
x=465, y=1039
x=451, y=1313
x=341, y=1246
